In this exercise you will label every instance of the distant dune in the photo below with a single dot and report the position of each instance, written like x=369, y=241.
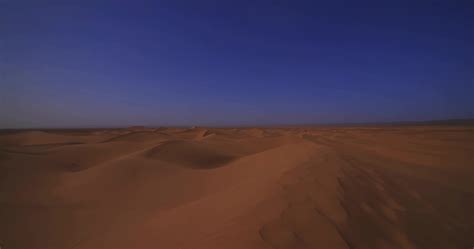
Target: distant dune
x=409, y=186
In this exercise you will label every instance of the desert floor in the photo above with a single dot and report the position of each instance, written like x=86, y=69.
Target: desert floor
x=305, y=187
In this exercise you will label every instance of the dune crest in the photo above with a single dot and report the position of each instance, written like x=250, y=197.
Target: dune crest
x=346, y=187
x=190, y=154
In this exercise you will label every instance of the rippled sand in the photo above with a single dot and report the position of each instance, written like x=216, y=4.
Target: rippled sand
x=306, y=187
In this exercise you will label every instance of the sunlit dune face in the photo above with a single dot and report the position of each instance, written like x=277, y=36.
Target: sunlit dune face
x=347, y=187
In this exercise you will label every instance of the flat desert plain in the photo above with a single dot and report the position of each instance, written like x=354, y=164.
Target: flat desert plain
x=180, y=188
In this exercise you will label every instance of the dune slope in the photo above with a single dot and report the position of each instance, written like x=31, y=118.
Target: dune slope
x=359, y=187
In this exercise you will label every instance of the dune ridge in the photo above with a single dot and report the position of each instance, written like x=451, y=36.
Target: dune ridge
x=304, y=187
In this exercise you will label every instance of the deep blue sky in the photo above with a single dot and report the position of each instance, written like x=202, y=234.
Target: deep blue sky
x=118, y=63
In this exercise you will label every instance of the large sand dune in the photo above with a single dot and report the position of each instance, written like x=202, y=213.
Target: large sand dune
x=359, y=187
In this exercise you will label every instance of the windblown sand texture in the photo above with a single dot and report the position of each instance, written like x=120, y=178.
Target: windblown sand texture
x=174, y=188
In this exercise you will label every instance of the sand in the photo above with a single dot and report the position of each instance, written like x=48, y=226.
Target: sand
x=305, y=187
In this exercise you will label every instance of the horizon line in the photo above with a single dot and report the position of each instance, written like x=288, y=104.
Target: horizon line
x=453, y=121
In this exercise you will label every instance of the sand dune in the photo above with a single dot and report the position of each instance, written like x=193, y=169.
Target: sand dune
x=32, y=138
x=191, y=154
x=345, y=187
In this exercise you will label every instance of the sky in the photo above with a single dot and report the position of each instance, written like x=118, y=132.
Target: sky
x=107, y=63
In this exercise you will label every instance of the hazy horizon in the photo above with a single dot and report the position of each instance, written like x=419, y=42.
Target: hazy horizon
x=184, y=124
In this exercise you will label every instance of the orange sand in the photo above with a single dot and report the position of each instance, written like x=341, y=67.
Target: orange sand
x=359, y=187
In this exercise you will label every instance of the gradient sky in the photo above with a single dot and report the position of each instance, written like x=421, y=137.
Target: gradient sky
x=118, y=63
